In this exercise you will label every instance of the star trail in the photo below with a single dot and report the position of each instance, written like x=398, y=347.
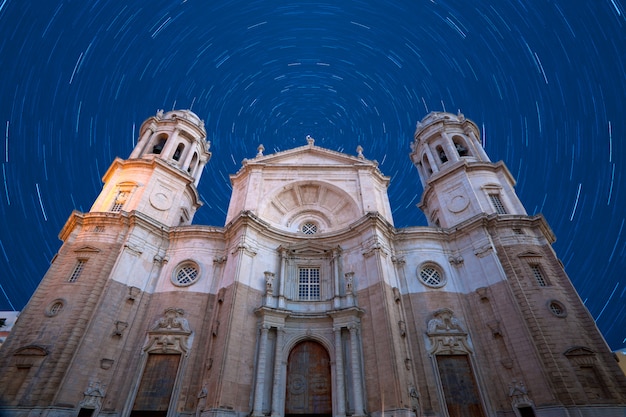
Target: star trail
x=544, y=80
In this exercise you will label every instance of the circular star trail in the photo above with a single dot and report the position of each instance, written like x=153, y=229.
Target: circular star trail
x=545, y=82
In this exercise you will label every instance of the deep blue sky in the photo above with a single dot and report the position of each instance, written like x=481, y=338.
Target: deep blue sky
x=545, y=80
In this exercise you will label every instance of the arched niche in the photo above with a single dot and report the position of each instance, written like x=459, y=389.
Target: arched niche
x=325, y=204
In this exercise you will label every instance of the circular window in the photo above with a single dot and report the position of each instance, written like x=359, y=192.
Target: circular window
x=55, y=308
x=557, y=308
x=431, y=276
x=309, y=228
x=186, y=274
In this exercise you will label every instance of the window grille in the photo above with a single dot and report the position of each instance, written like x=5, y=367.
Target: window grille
x=118, y=204
x=186, y=274
x=309, y=228
x=431, y=276
x=309, y=284
x=557, y=309
x=78, y=269
x=54, y=308
x=497, y=204
x=538, y=274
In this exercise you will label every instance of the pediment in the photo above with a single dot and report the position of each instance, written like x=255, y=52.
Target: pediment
x=579, y=351
x=87, y=249
x=310, y=155
x=529, y=254
x=31, y=350
x=307, y=249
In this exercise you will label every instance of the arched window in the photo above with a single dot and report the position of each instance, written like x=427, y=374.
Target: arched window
x=460, y=146
x=178, y=152
x=442, y=155
x=192, y=165
x=159, y=145
x=426, y=164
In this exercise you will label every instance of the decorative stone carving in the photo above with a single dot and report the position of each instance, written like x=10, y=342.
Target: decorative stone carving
x=483, y=293
x=396, y=294
x=269, y=282
x=133, y=292
x=160, y=260
x=106, y=363
x=93, y=395
x=170, y=333
x=519, y=394
x=349, y=282
x=120, y=326
x=219, y=259
x=402, y=327
x=398, y=260
x=483, y=251
x=456, y=260
x=446, y=334
x=458, y=203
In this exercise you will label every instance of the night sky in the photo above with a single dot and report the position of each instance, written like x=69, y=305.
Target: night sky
x=544, y=80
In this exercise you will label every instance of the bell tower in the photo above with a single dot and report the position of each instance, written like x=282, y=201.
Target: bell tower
x=459, y=180
x=160, y=177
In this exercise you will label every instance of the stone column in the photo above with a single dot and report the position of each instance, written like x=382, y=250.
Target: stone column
x=257, y=409
x=143, y=142
x=197, y=172
x=282, y=278
x=278, y=390
x=451, y=152
x=337, y=293
x=167, y=149
x=431, y=159
x=340, y=377
x=356, y=372
x=190, y=149
x=477, y=146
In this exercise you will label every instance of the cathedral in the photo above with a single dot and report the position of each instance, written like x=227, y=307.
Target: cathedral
x=308, y=302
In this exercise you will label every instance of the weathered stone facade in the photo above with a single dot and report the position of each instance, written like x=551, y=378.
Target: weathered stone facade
x=309, y=301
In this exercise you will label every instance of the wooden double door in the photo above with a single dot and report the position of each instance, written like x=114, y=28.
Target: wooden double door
x=309, y=384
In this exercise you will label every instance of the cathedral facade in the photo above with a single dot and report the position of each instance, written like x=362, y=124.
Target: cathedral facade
x=308, y=302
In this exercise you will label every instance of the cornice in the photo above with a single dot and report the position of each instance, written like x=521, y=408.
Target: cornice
x=249, y=219
x=464, y=166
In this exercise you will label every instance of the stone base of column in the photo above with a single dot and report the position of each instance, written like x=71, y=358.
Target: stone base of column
x=219, y=412
x=398, y=412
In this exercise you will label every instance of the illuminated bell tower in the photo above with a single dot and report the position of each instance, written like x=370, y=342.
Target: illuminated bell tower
x=459, y=180
x=160, y=177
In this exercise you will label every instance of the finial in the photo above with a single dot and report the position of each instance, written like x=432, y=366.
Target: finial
x=359, y=151
x=208, y=145
x=310, y=140
x=260, y=150
x=159, y=114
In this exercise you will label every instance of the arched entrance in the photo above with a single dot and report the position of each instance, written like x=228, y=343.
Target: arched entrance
x=308, y=381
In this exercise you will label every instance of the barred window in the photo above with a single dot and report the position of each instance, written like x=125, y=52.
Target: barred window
x=497, y=203
x=557, y=309
x=431, y=276
x=186, y=274
x=54, y=308
x=78, y=269
x=309, y=284
x=539, y=277
x=120, y=199
x=309, y=228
